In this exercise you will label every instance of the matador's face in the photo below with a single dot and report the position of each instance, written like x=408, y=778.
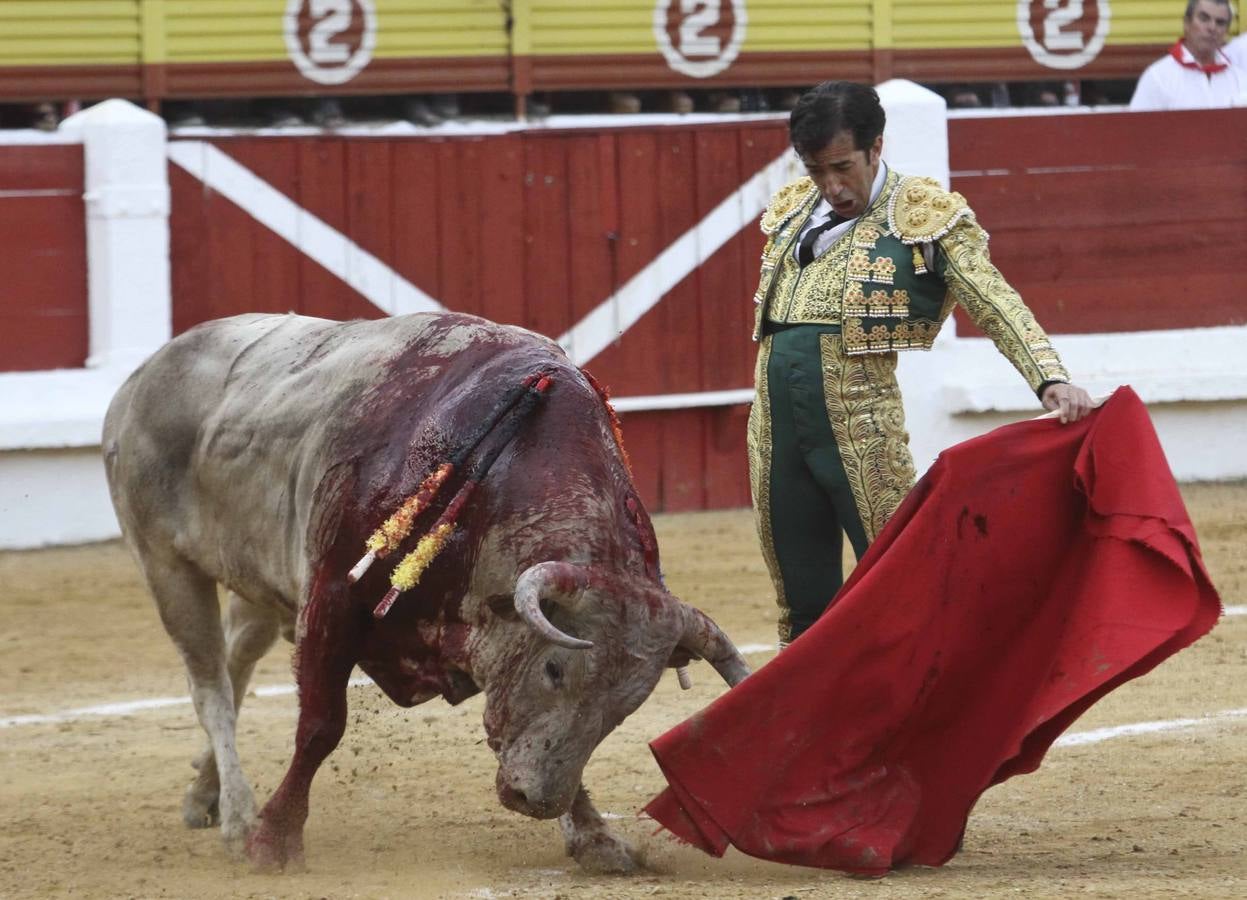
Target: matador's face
x=844, y=174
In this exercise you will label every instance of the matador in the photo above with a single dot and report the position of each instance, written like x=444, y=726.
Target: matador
x=860, y=263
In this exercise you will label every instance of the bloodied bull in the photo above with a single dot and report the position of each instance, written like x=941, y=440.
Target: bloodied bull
x=439, y=500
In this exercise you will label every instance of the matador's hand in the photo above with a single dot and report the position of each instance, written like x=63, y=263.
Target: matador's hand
x=1073, y=402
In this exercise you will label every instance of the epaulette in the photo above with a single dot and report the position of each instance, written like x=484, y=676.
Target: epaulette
x=786, y=202
x=920, y=210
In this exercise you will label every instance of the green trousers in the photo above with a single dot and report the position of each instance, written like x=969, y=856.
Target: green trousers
x=826, y=437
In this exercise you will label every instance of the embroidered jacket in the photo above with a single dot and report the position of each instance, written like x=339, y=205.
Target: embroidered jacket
x=874, y=282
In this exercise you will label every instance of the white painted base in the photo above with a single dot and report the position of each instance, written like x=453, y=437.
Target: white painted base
x=1192, y=380
x=50, y=497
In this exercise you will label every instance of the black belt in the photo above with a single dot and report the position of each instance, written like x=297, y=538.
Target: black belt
x=769, y=327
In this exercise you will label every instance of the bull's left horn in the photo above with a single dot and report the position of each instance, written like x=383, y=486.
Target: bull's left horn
x=558, y=581
x=707, y=640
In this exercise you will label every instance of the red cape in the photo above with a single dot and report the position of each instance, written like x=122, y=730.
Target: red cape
x=1031, y=571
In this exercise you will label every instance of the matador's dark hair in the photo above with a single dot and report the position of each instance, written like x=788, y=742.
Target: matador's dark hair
x=829, y=108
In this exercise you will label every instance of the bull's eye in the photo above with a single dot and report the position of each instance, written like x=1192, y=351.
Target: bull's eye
x=554, y=672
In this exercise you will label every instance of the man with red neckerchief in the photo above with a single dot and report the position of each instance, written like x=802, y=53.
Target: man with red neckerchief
x=1195, y=74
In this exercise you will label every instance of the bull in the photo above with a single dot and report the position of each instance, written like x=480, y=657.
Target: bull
x=279, y=455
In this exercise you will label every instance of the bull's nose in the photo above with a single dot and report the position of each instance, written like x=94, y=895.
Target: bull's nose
x=515, y=798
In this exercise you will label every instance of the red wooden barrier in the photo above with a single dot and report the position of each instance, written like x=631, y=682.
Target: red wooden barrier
x=43, y=267
x=1105, y=223
x=535, y=228
x=1120, y=222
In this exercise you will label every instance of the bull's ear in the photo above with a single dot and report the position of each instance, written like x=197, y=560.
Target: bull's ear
x=502, y=606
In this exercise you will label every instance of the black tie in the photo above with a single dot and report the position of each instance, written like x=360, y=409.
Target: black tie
x=805, y=250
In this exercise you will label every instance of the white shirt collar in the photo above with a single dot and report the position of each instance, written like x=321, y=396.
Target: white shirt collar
x=1218, y=56
x=876, y=187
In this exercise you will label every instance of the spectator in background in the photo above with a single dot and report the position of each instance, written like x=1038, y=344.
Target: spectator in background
x=47, y=117
x=1196, y=74
x=974, y=96
x=962, y=96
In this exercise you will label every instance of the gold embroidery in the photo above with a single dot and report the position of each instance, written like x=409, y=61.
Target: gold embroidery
x=812, y=294
x=854, y=299
x=860, y=268
x=914, y=335
x=865, y=236
x=864, y=408
x=900, y=303
x=878, y=304
x=996, y=308
x=854, y=335
x=764, y=279
x=920, y=210
x=920, y=261
x=785, y=203
x=884, y=269
x=759, y=444
x=780, y=275
x=879, y=339
x=909, y=335
x=883, y=304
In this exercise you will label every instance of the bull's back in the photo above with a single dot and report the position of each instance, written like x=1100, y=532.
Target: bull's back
x=215, y=447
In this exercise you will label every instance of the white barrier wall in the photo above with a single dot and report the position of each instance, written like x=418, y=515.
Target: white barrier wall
x=52, y=488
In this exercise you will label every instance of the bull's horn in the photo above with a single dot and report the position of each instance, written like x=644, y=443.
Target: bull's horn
x=707, y=640
x=558, y=581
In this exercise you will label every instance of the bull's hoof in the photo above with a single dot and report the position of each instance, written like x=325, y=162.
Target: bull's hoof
x=271, y=851
x=605, y=854
x=236, y=848
x=200, y=810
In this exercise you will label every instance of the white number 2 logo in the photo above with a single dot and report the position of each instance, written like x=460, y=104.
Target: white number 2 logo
x=699, y=38
x=698, y=16
x=326, y=39
x=1063, y=34
x=1060, y=17
x=335, y=18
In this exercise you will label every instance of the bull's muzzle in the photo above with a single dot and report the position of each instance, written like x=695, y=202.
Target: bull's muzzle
x=526, y=796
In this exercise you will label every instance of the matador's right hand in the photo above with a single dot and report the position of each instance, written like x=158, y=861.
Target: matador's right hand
x=1073, y=402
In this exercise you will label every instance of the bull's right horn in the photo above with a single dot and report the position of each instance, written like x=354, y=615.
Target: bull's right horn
x=707, y=640
x=558, y=581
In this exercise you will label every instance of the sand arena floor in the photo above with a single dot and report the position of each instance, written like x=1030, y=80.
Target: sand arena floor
x=89, y=804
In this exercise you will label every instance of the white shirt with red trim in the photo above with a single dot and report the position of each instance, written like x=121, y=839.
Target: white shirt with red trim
x=1236, y=52
x=1170, y=84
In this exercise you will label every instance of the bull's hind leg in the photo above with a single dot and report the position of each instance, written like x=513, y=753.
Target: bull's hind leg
x=592, y=844
x=249, y=633
x=188, y=606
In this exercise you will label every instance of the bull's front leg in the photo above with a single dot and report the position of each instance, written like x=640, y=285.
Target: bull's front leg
x=325, y=655
x=592, y=844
